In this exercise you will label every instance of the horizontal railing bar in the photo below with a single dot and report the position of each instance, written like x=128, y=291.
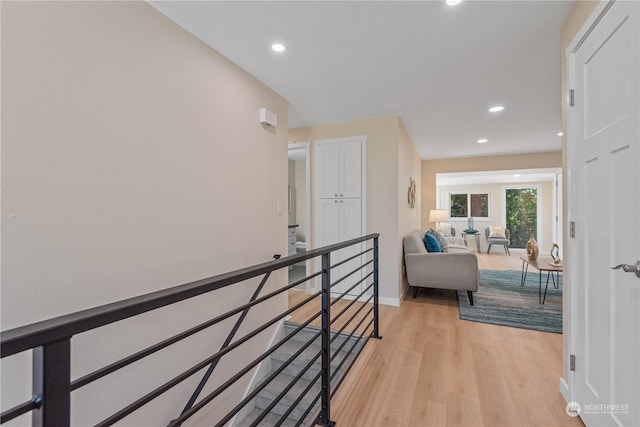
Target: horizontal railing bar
x=344, y=261
x=347, y=338
x=353, y=301
x=356, y=341
x=299, y=399
x=270, y=378
x=303, y=280
x=289, y=387
x=348, y=353
x=309, y=364
x=89, y=378
x=186, y=374
x=305, y=413
x=208, y=398
x=364, y=303
x=338, y=298
x=37, y=334
x=366, y=339
x=350, y=273
x=21, y=409
x=349, y=321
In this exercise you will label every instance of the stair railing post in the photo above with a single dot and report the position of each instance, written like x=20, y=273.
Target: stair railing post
x=376, y=330
x=52, y=382
x=325, y=411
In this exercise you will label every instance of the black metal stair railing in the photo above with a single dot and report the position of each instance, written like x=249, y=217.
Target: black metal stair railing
x=50, y=341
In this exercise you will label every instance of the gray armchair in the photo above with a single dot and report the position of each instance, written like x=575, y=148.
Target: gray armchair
x=498, y=241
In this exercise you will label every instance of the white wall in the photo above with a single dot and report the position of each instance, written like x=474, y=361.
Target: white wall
x=496, y=211
x=391, y=159
x=132, y=161
x=409, y=166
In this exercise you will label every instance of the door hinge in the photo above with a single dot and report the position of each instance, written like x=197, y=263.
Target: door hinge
x=572, y=99
x=572, y=362
x=572, y=229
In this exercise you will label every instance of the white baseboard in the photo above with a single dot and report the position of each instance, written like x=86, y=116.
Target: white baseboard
x=395, y=302
x=564, y=390
x=381, y=300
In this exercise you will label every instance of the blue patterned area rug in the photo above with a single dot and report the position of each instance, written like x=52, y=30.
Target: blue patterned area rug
x=501, y=300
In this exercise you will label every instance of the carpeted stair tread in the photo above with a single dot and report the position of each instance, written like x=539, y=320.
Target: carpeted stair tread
x=288, y=349
x=268, y=394
x=275, y=387
x=309, y=332
x=269, y=420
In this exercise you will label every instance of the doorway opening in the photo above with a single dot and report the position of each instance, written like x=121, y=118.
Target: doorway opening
x=299, y=208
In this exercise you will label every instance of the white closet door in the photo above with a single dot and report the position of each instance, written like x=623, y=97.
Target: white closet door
x=351, y=169
x=327, y=170
x=328, y=219
x=339, y=205
x=351, y=227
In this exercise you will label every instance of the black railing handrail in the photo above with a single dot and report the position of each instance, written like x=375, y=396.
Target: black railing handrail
x=50, y=341
x=30, y=336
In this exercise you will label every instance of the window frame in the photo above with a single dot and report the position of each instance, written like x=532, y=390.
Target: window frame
x=489, y=216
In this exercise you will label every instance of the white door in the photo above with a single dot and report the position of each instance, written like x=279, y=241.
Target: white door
x=606, y=161
x=327, y=167
x=351, y=220
x=351, y=173
x=339, y=220
x=338, y=169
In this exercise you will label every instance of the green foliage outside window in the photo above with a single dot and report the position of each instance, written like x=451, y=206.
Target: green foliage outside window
x=522, y=215
x=464, y=205
x=479, y=205
x=458, y=206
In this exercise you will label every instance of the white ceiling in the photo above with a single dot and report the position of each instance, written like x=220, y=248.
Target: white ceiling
x=439, y=67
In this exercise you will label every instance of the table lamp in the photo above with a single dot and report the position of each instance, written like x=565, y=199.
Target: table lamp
x=438, y=215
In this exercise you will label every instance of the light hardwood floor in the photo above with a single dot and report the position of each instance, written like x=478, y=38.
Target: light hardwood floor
x=433, y=369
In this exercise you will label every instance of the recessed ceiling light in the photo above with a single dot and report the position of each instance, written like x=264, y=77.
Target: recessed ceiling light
x=496, y=109
x=278, y=47
x=453, y=2
x=517, y=175
x=559, y=133
x=482, y=141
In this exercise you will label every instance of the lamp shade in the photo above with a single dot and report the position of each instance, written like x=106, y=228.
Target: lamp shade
x=438, y=215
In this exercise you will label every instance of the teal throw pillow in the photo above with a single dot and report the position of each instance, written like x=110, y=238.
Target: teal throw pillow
x=441, y=240
x=431, y=243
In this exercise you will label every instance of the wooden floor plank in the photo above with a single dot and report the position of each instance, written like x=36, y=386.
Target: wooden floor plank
x=433, y=369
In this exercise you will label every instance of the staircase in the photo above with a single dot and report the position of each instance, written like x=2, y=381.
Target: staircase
x=300, y=415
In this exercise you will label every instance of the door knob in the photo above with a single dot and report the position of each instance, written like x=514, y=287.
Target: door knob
x=629, y=268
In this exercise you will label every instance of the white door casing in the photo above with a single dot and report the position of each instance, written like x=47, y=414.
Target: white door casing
x=604, y=177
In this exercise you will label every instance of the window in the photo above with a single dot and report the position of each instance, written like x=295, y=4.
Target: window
x=464, y=205
x=522, y=207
